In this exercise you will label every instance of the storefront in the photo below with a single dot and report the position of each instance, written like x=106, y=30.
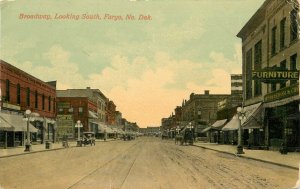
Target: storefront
x=13, y=130
x=282, y=118
x=230, y=134
x=253, y=126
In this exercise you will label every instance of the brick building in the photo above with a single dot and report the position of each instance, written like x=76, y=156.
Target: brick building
x=84, y=105
x=201, y=109
x=19, y=92
x=110, y=112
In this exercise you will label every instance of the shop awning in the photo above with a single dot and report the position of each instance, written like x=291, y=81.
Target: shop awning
x=16, y=123
x=205, y=130
x=254, y=116
x=219, y=124
x=232, y=125
x=282, y=102
x=92, y=115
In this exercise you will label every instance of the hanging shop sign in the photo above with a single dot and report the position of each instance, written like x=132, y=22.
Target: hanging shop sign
x=282, y=93
x=275, y=75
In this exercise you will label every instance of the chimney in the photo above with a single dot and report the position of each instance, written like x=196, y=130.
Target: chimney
x=206, y=92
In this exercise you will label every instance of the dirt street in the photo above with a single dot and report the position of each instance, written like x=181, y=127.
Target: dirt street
x=146, y=162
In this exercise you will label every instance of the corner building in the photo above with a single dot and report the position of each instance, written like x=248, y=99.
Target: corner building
x=270, y=42
x=20, y=91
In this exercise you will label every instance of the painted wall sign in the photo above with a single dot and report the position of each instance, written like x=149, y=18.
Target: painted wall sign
x=282, y=93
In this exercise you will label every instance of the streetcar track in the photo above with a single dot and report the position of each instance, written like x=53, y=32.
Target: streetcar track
x=103, y=165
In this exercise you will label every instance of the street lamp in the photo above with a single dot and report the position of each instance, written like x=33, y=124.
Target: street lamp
x=177, y=130
x=29, y=117
x=78, y=125
x=240, y=115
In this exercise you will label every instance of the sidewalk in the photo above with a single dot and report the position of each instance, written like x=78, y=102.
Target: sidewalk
x=38, y=148
x=290, y=160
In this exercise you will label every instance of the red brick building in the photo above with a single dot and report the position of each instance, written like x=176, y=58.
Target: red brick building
x=110, y=113
x=85, y=105
x=72, y=109
x=20, y=91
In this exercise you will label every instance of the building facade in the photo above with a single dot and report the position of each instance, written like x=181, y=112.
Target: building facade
x=20, y=91
x=84, y=105
x=271, y=49
x=201, y=109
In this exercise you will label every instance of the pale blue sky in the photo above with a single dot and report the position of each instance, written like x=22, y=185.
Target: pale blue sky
x=188, y=46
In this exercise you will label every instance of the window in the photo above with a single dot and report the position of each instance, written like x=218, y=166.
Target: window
x=54, y=107
x=80, y=110
x=294, y=25
x=7, y=90
x=49, y=103
x=36, y=99
x=18, y=94
x=28, y=96
x=273, y=43
x=282, y=33
x=273, y=87
x=283, y=66
x=257, y=66
x=293, y=66
x=43, y=102
x=249, y=74
x=71, y=110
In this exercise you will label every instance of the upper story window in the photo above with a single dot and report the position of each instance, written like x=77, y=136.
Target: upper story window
x=7, y=91
x=257, y=66
x=36, y=99
x=43, y=102
x=282, y=33
x=293, y=66
x=294, y=25
x=49, y=103
x=18, y=94
x=28, y=96
x=273, y=42
x=283, y=66
x=249, y=74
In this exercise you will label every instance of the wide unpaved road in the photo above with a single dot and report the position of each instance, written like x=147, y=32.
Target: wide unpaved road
x=140, y=164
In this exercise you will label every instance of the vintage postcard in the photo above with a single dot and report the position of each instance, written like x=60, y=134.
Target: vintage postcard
x=149, y=94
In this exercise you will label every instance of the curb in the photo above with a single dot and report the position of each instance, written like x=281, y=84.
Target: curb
x=256, y=159
x=44, y=150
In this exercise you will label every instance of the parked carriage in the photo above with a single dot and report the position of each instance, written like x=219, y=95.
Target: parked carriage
x=185, y=137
